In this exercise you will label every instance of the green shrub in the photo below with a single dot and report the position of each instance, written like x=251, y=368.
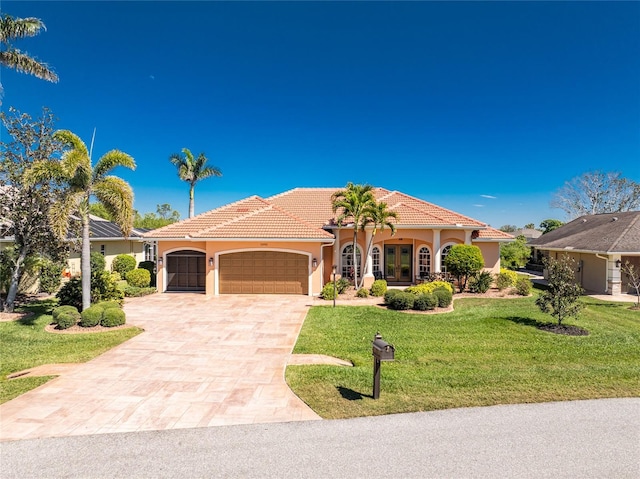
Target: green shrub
x=112, y=317
x=110, y=304
x=430, y=287
x=402, y=301
x=151, y=267
x=424, y=302
x=135, y=292
x=115, y=276
x=445, y=297
x=91, y=316
x=123, y=263
x=71, y=293
x=362, y=293
x=65, y=316
x=342, y=284
x=464, y=261
x=506, y=278
x=97, y=262
x=140, y=278
x=388, y=296
x=50, y=275
x=327, y=291
x=379, y=287
x=104, y=288
x=481, y=283
x=523, y=286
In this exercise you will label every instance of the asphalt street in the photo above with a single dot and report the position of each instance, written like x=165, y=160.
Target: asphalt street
x=579, y=439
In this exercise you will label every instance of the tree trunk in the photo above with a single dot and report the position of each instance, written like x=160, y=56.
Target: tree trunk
x=9, y=303
x=191, y=202
x=85, y=263
x=355, y=256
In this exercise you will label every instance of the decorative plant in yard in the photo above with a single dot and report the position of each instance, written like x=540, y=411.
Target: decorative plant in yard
x=380, y=217
x=633, y=275
x=560, y=300
x=192, y=170
x=464, y=261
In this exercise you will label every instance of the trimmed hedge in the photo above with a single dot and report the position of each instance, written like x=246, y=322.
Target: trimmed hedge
x=389, y=295
x=362, y=293
x=430, y=287
x=445, y=297
x=123, y=263
x=524, y=286
x=425, y=302
x=91, y=316
x=135, y=292
x=402, y=301
x=139, y=278
x=379, y=287
x=506, y=278
x=66, y=316
x=112, y=317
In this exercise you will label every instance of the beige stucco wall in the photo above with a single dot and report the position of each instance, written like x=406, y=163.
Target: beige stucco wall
x=112, y=249
x=213, y=249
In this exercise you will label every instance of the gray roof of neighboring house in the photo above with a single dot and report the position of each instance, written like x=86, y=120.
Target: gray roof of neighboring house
x=101, y=228
x=528, y=233
x=603, y=233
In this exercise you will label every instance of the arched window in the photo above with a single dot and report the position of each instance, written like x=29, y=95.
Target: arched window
x=445, y=252
x=424, y=262
x=375, y=259
x=347, y=261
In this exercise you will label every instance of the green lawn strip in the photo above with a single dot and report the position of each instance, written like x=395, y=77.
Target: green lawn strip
x=487, y=351
x=25, y=344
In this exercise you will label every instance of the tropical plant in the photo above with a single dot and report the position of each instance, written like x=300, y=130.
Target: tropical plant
x=15, y=29
x=463, y=261
x=560, y=299
x=24, y=205
x=80, y=182
x=380, y=217
x=352, y=204
x=192, y=170
x=481, y=282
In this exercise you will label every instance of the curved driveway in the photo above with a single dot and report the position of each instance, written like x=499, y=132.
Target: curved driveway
x=200, y=362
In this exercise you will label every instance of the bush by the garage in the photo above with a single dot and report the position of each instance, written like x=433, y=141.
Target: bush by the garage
x=123, y=263
x=139, y=278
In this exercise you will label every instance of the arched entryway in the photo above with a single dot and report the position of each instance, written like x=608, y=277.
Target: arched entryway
x=186, y=271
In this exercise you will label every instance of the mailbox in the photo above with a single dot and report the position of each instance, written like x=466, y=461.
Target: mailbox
x=382, y=350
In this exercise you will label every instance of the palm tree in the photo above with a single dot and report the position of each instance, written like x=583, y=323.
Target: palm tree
x=80, y=181
x=10, y=57
x=380, y=217
x=352, y=203
x=192, y=170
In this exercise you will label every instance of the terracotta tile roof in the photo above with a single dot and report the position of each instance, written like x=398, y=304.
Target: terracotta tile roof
x=304, y=212
x=603, y=233
x=492, y=233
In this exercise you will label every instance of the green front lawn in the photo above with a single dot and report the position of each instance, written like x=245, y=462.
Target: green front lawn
x=25, y=344
x=486, y=352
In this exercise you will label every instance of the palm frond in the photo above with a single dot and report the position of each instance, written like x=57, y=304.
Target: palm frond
x=61, y=211
x=110, y=160
x=15, y=28
x=43, y=171
x=71, y=141
x=117, y=197
x=24, y=63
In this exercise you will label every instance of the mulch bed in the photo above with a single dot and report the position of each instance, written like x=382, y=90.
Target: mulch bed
x=53, y=328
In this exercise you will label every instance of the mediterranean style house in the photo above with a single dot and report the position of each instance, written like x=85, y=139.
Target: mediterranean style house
x=289, y=244
x=600, y=245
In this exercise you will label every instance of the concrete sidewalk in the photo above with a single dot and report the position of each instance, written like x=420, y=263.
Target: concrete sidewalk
x=200, y=362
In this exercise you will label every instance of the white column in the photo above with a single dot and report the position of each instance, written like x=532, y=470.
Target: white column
x=369, y=261
x=467, y=237
x=336, y=251
x=436, y=250
x=614, y=281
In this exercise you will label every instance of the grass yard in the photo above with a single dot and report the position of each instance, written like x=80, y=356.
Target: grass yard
x=486, y=352
x=25, y=344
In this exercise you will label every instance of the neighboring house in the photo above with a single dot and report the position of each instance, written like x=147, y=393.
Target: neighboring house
x=289, y=243
x=106, y=238
x=528, y=233
x=599, y=244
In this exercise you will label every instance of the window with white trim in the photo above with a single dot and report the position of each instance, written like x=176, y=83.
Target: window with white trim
x=445, y=252
x=375, y=259
x=103, y=249
x=424, y=262
x=347, y=261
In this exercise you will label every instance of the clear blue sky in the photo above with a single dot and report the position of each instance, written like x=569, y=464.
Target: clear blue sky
x=485, y=108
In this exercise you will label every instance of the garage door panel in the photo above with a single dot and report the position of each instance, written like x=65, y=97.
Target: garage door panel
x=263, y=272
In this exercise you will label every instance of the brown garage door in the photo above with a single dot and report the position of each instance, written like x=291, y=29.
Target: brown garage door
x=264, y=272
x=186, y=271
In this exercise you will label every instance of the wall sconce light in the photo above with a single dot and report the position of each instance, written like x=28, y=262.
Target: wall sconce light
x=211, y=261
x=160, y=261
x=618, y=263
x=314, y=263
x=334, y=270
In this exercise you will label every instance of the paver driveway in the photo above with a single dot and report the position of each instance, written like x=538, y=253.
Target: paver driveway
x=200, y=362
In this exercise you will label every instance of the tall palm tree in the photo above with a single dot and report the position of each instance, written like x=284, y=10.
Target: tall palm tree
x=192, y=170
x=380, y=217
x=352, y=203
x=14, y=29
x=80, y=181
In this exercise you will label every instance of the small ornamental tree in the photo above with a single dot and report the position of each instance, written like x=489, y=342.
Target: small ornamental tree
x=463, y=261
x=633, y=275
x=560, y=300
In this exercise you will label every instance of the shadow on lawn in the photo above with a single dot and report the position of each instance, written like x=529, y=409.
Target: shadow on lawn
x=525, y=321
x=350, y=394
